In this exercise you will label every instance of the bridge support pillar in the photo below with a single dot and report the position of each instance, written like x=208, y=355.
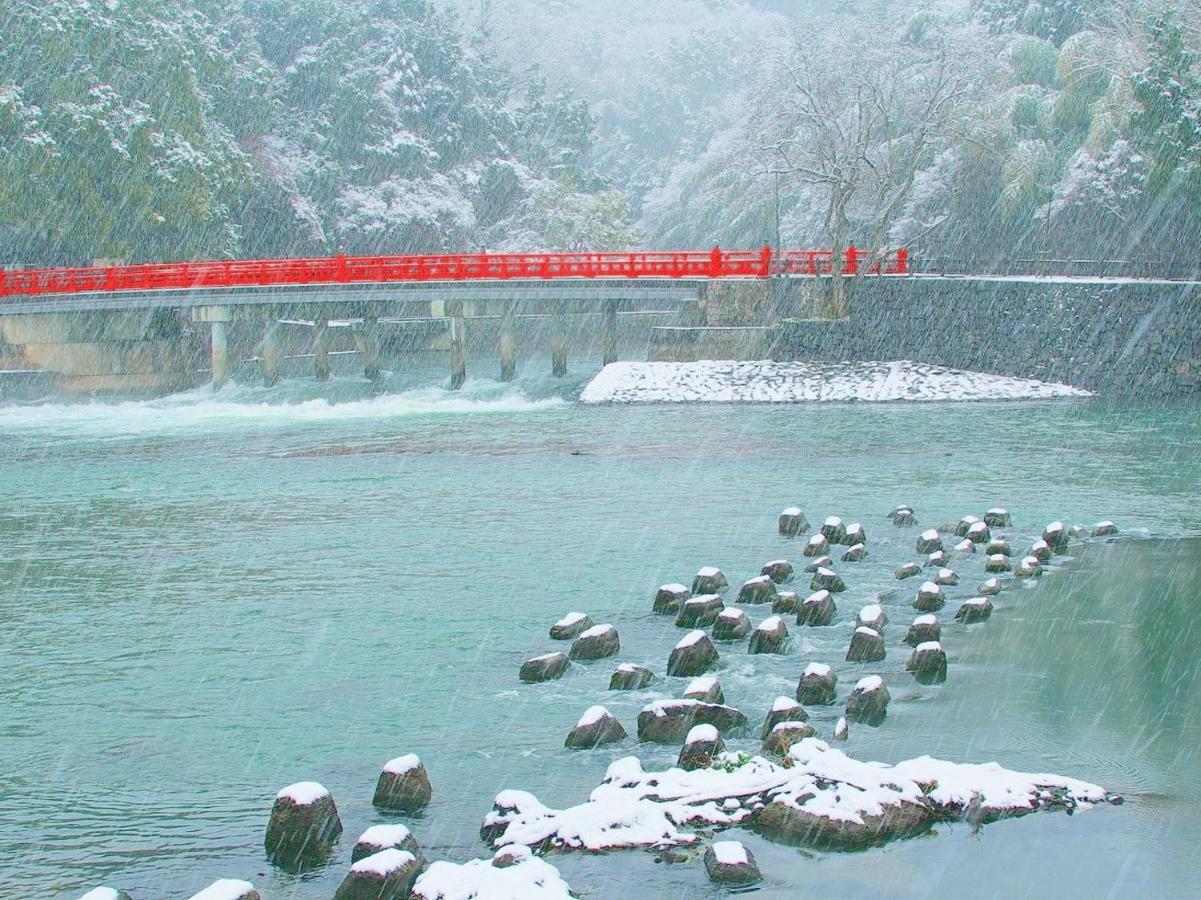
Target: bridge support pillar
x=558, y=344
x=508, y=345
x=218, y=317
x=321, y=340
x=609, y=337
x=270, y=353
x=458, y=346
x=367, y=339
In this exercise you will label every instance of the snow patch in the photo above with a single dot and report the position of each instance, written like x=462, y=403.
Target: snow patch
x=303, y=793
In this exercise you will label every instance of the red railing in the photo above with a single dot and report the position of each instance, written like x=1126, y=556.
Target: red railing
x=715, y=263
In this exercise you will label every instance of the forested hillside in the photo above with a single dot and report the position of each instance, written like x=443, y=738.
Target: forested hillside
x=979, y=131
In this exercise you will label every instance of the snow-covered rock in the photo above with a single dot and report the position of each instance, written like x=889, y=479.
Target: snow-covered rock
x=769, y=636
x=570, y=626
x=817, y=545
x=866, y=645
x=384, y=837
x=702, y=743
x=596, y=726
x=781, y=738
x=729, y=862
x=700, y=612
x=709, y=580
x=793, y=522
x=817, y=685
x=818, y=609
x=228, y=889
x=387, y=875
x=786, y=602
x=514, y=873
x=827, y=580
x=977, y=609
x=869, y=700
x=693, y=655
x=1105, y=529
x=669, y=597
x=629, y=677
x=597, y=642
x=928, y=662
x=924, y=628
x=546, y=667
x=705, y=688
x=779, y=570
x=303, y=826
x=669, y=721
x=834, y=529
x=783, y=709
x=731, y=625
x=760, y=589
x=403, y=785
x=907, y=571
x=930, y=597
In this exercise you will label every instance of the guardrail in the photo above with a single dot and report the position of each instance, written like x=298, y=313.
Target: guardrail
x=693, y=264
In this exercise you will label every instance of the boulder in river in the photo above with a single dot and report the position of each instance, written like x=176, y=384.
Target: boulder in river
x=403, y=785
x=869, y=701
x=817, y=686
x=669, y=597
x=709, y=580
x=937, y=559
x=902, y=517
x=855, y=553
x=303, y=826
x=1029, y=567
x=998, y=562
x=816, y=546
x=821, y=562
x=783, y=709
x=783, y=736
x=818, y=609
x=855, y=535
x=705, y=688
x=841, y=730
x=702, y=743
x=930, y=598
x=570, y=626
x=990, y=588
x=907, y=571
x=700, y=612
x=998, y=545
x=788, y=602
x=872, y=616
x=384, y=837
x=629, y=677
x=793, y=522
x=834, y=530
x=1104, y=529
x=108, y=893
x=760, y=589
x=669, y=721
x=1056, y=536
x=597, y=642
x=997, y=517
x=731, y=625
x=1041, y=551
x=964, y=525
x=866, y=645
x=693, y=655
x=778, y=570
x=963, y=548
x=979, y=534
x=976, y=609
x=924, y=628
x=929, y=541
x=946, y=578
x=596, y=727
x=928, y=663
x=827, y=580
x=770, y=636
x=544, y=668
x=729, y=862
x=387, y=875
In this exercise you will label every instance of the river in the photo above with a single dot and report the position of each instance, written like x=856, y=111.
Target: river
x=207, y=597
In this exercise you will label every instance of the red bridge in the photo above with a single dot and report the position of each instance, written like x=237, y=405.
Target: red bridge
x=340, y=270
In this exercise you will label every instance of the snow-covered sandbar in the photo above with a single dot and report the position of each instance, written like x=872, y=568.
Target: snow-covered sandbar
x=765, y=381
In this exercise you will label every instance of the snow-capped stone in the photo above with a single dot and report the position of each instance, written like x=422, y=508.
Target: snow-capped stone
x=1104, y=529
x=105, y=893
x=387, y=875
x=937, y=559
x=817, y=545
x=869, y=701
x=729, y=862
x=821, y=562
x=834, y=530
x=303, y=826
x=793, y=522
x=872, y=616
x=544, y=668
x=1041, y=551
x=818, y=609
x=403, y=785
x=731, y=625
x=977, y=609
x=383, y=837
x=997, y=517
x=817, y=685
x=702, y=743
x=786, y=602
x=783, y=709
x=827, y=580
x=761, y=589
x=514, y=873
x=778, y=570
x=924, y=628
x=866, y=645
x=669, y=597
x=929, y=541
x=700, y=612
x=907, y=571
x=1029, y=567
x=597, y=642
x=770, y=636
x=928, y=662
x=781, y=738
x=709, y=580
x=228, y=889
x=990, y=588
x=596, y=727
x=705, y=688
x=965, y=523
x=629, y=677
x=998, y=546
x=998, y=562
x=930, y=597
x=902, y=517
x=855, y=553
x=1056, y=536
x=855, y=535
x=693, y=655
x=841, y=730
x=669, y=721
x=946, y=578
x=570, y=626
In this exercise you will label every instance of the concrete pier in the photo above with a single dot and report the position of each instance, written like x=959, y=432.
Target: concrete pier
x=458, y=349
x=270, y=353
x=508, y=345
x=321, y=339
x=367, y=339
x=558, y=344
x=218, y=318
x=609, y=334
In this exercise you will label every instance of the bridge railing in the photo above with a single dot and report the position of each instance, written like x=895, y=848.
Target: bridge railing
x=715, y=263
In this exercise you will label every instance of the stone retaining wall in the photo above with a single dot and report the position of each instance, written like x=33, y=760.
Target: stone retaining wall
x=1122, y=338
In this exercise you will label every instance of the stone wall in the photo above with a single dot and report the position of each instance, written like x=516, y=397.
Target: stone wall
x=1124, y=338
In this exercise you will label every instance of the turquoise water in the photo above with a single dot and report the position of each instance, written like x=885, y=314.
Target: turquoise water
x=207, y=597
